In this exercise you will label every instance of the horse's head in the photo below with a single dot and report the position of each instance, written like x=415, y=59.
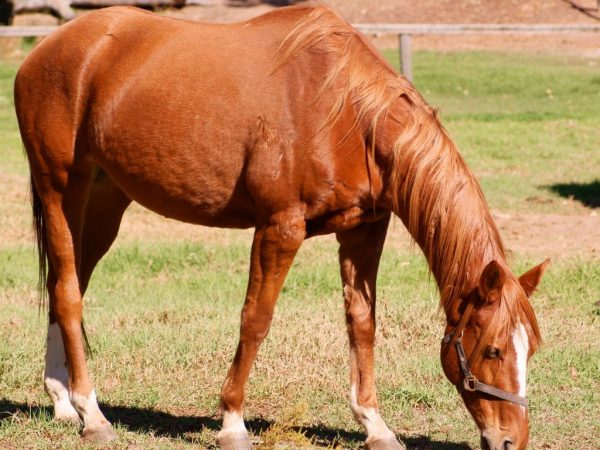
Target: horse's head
x=491, y=333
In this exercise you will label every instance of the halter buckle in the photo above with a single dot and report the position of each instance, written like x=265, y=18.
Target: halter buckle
x=470, y=383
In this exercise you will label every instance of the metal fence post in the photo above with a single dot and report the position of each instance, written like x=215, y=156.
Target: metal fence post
x=406, y=56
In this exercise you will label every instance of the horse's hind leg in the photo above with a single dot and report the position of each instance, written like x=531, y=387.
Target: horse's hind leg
x=360, y=252
x=56, y=375
x=103, y=213
x=105, y=206
x=62, y=182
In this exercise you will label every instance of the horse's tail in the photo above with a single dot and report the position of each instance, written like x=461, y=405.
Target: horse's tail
x=41, y=240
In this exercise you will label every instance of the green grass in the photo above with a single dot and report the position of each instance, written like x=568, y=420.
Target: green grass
x=524, y=123
x=164, y=321
x=163, y=314
x=10, y=141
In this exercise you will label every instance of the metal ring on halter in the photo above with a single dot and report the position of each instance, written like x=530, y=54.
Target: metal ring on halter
x=470, y=384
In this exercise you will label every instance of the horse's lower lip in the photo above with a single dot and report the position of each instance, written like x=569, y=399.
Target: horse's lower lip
x=506, y=445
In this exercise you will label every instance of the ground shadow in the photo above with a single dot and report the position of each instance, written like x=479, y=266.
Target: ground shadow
x=325, y=436
x=586, y=193
x=164, y=424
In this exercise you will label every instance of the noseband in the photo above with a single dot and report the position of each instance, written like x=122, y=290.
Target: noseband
x=470, y=383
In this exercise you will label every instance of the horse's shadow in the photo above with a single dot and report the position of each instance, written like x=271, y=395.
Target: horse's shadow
x=586, y=193
x=163, y=424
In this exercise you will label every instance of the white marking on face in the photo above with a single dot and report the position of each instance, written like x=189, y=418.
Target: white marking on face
x=56, y=376
x=233, y=424
x=369, y=418
x=521, y=343
x=87, y=407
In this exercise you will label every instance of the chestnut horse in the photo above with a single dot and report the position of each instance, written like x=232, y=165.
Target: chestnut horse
x=290, y=123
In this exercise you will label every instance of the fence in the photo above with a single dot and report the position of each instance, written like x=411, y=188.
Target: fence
x=403, y=31
x=406, y=31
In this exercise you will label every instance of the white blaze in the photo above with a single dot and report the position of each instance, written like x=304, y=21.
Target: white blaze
x=521, y=343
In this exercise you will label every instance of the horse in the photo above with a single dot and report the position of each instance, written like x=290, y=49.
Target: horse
x=293, y=124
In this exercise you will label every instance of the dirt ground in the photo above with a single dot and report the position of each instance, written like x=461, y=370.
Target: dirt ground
x=536, y=235
x=551, y=235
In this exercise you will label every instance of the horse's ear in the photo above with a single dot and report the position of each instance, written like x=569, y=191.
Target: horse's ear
x=491, y=282
x=530, y=279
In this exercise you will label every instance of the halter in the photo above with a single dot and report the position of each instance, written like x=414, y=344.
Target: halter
x=470, y=382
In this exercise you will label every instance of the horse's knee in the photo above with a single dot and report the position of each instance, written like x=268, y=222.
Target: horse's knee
x=359, y=315
x=255, y=324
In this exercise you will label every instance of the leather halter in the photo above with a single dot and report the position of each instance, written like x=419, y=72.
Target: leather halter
x=470, y=382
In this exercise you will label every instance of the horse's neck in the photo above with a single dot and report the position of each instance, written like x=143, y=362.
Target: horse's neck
x=440, y=202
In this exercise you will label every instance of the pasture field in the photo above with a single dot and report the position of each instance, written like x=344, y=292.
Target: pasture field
x=163, y=306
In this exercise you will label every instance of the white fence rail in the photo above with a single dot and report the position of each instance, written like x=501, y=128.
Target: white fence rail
x=406, y=31
x=26, y=31
x=475, y=28
x=403, y=31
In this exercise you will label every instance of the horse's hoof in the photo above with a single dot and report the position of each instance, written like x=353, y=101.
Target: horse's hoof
x=234, y=442
x=390, y=443
x=101, y=435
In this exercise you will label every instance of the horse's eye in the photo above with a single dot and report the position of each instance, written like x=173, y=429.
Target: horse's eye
x=492, y=352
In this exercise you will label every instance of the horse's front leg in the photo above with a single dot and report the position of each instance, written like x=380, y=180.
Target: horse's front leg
x=273, y=249
x=360, y=252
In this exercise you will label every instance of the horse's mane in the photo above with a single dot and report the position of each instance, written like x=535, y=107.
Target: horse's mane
x=434, y=192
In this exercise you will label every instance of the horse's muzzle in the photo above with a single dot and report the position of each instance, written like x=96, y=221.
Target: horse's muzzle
x=497, y=444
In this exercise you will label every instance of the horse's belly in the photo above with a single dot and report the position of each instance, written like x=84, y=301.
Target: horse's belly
x=170, y=152
x=189, y=186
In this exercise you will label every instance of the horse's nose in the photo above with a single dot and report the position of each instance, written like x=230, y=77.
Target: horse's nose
x=496, y=444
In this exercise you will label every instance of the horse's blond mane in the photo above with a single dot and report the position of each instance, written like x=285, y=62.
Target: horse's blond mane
x=359, y=75
x=434, y=192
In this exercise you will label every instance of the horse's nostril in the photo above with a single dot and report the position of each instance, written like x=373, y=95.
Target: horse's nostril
x=507, y=445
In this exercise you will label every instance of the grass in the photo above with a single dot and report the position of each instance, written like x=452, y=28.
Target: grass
x=163, y=312
x=524, y=123
x=164, y=321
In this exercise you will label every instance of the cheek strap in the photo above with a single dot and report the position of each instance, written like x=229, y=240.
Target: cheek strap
x=471, y=383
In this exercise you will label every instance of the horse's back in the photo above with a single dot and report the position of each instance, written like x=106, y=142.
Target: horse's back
x=93, y=57
x=111, y=35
